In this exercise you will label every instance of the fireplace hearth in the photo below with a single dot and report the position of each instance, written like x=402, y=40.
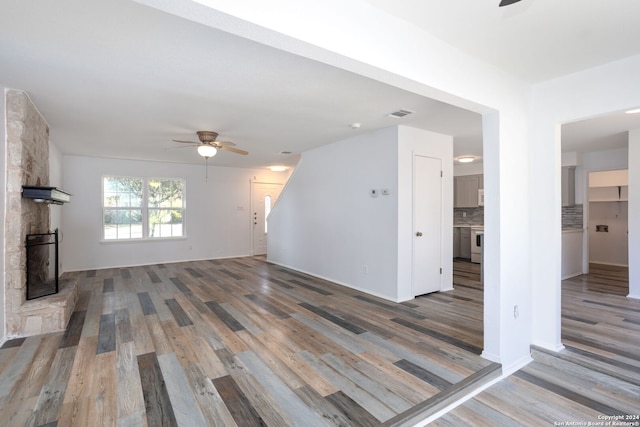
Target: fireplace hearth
x=42, y=264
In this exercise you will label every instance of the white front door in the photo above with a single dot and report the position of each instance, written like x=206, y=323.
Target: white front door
x=263, y=197
x=427, y=225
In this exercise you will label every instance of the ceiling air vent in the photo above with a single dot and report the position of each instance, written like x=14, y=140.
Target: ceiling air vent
x=400, y=113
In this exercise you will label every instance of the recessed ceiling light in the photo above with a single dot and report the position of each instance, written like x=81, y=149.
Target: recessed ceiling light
x=278, y=168
x=637, y=110
x=465, y=159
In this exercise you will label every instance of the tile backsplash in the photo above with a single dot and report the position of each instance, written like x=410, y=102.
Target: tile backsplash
x=572, y=217
x=474, y=216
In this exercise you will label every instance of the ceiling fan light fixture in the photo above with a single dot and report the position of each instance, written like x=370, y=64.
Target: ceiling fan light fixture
x=207, y=151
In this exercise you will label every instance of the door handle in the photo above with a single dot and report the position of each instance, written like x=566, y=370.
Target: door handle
x=418, y=233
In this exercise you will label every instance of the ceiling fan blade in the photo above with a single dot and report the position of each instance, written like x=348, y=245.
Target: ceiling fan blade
x=233, y=150
x=507, y=2
x=182, y=146
x=186, y=142
x=226, y=143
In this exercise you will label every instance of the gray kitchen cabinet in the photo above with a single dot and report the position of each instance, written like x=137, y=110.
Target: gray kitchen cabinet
x=465, y=189
x=465, y=242
x=568, y=186
x=456, y=242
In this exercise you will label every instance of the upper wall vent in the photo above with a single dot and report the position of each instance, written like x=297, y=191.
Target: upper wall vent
x=400, y=113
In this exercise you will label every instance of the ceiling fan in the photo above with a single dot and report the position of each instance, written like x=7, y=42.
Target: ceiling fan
x=507, y=2
x=208, y=146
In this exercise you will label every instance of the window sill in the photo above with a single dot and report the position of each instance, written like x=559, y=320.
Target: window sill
x=143, y=240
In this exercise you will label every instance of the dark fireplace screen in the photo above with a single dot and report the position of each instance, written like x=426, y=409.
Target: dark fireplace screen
x=42, y=264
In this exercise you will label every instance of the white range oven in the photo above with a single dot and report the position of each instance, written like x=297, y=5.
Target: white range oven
x=476, y=244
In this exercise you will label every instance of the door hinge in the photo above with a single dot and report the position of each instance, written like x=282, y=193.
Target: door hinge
x=440, y=270
x=441, y=174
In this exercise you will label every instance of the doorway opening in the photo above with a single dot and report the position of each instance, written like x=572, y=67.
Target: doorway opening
x=608, y=224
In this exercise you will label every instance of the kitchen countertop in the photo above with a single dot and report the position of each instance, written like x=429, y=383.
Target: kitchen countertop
x=572, y=230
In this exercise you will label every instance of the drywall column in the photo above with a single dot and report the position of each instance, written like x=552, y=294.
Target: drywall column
x=507, y=311
x=634, y=212
x=589, y=93
x=3, y=185
x=491, y=249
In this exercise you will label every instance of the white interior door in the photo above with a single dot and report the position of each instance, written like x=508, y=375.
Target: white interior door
x=427, y=221
x=263, y=197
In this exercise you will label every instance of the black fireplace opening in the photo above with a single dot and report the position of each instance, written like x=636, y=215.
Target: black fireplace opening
x=42, y=264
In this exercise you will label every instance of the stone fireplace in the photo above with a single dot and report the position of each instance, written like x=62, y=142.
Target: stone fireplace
x=28, y=164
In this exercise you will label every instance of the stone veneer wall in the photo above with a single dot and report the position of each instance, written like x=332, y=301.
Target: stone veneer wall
x=27, y=164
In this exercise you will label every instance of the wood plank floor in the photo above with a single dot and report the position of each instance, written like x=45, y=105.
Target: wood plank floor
x=595, y=379
x=242, y=342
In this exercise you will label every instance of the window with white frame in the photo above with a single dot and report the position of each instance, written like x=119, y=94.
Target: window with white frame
x=137, y=208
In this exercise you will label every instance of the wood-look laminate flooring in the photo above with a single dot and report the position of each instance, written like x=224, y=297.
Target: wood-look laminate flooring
x=595, y=379
x=242, y=342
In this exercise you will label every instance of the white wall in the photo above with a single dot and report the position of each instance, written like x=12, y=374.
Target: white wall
x=590, y=93
x=609, y=247
x=3, y=186
x=217, y=216
x=634, y=212
x=55, y=180
x=326, y=223
x=605, y=160
x=412, y=142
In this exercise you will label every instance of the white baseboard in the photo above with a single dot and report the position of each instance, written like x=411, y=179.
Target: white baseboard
x=551, y=347
x=608, y=263
x=490, y=356
x=516, y=366
x=337, y=282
